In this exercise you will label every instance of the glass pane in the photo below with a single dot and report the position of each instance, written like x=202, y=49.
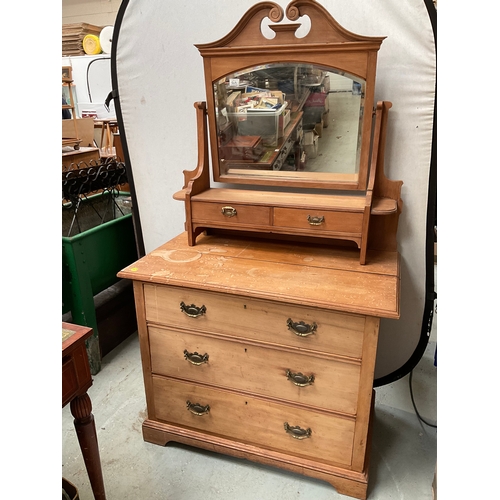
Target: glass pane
x=294, y=120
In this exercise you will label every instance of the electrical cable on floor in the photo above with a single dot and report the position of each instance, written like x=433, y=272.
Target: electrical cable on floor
x=415, y=406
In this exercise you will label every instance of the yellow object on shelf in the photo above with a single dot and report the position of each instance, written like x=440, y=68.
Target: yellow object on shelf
x=91, y=45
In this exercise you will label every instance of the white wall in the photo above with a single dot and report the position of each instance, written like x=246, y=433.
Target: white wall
x=97, y=12
x=91, y=83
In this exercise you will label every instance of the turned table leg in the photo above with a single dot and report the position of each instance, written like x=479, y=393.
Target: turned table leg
x=81, y=409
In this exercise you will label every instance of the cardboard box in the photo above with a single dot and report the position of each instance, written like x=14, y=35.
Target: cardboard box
x=279, y=95
x=318, y=128
x=326, y=83
x=233, y=97
x=311, y=143
x=325, y=119
x=284, y=120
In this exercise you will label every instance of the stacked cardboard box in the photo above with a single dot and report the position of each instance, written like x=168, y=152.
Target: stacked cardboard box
x=73, y=35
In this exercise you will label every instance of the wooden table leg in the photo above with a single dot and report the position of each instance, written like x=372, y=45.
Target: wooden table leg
x=102, y=137
x=109, y=148
x=81, y=409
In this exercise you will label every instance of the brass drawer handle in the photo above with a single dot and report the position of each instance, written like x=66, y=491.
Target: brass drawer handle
x=315, y=220
x=300, y=328
x=299, y=379
x=194, y=358
x=197, y=409
x=193, y=311
x=297, y=432
x=229, y=211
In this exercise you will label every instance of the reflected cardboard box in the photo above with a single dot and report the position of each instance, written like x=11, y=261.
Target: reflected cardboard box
x=243, y=148
x=311, y=143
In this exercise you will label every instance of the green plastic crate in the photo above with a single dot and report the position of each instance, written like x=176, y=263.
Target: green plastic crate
x=92, y=255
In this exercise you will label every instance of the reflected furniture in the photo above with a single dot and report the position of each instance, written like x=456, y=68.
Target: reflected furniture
x=258, y=325
x=76, y=381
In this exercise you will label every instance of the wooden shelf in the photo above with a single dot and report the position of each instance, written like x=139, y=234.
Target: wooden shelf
x=384, y=206
x=67, y=83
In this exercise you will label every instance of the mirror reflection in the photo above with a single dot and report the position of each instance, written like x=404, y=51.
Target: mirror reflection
x=289, y=117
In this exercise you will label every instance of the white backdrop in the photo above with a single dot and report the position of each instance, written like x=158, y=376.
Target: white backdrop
x=160, y=76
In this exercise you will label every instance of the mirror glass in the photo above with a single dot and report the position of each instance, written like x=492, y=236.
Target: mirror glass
x=289, y=121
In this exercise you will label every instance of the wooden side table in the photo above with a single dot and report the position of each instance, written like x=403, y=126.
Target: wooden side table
x=76, y=380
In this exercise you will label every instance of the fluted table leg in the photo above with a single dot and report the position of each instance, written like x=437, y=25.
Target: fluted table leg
x=81, y=409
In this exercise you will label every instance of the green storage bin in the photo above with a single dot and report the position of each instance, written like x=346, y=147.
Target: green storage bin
x=94, y=250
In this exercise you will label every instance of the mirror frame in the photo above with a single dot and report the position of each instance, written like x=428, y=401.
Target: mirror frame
x=327, y=44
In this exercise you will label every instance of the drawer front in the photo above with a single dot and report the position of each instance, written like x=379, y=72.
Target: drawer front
x=69, y=380
x=323, y=383
x=254, y=420
x=76, y=377
x=230, y=214
x=318, y=220
x=264, y=321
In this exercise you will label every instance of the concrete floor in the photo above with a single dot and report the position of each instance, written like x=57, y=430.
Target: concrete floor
x=403, y=454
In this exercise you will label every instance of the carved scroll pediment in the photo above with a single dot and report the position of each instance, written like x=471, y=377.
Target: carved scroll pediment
x=324, y=29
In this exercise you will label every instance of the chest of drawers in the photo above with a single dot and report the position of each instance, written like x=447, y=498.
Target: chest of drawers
x=264, y=351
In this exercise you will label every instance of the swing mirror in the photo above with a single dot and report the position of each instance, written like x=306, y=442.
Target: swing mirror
x=289, y=121
x=291, y=103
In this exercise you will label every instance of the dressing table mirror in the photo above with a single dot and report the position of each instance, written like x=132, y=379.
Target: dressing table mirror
x=292, y=133
x=281, y=110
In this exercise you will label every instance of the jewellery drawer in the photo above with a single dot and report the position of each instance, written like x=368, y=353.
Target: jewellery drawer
x=232, y=214
x=320, y=220
x=264, y=321
x=305, y=433
x=313, y=381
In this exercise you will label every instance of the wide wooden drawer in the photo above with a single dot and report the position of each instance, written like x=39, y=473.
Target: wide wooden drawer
x=260, y=320
x=256, y=421
x=272, y=372
x=231, y=214
x=318, y=220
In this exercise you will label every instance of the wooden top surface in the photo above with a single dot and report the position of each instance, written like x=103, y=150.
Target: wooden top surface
x=302, y=274
x=81, y=151
x=344, y=202
x=72, y=335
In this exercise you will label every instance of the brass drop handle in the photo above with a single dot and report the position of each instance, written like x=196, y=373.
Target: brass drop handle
x=315, y=220
x=193, y=311
x=197, y=409
x=299, y=379
x=229, y=211
x=194, y=358
x=300, y=328
x=297, y=432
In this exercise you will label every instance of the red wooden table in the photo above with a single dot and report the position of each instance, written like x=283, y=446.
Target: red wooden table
x=76, y=380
